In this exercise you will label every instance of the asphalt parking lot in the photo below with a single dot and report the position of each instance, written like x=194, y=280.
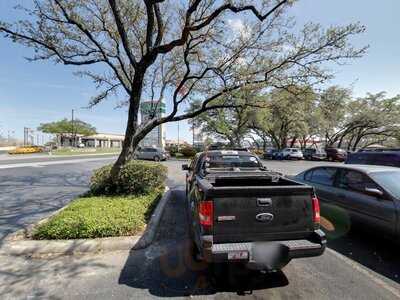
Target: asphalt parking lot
x=357, y=265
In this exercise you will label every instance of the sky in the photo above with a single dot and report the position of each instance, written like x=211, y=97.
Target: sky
x=36, y=92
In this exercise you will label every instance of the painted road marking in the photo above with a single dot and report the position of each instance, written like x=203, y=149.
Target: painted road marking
x=48, y=163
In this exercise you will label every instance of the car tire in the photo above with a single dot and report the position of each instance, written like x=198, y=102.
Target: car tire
x=194, y=251
x=156, y=158
x=219, y=274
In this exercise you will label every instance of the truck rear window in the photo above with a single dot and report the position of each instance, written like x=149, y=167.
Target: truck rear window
x=231, y=161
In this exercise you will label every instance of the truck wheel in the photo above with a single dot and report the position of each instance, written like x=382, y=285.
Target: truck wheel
x=156, y=158
x=195, y=252
x=219, y=274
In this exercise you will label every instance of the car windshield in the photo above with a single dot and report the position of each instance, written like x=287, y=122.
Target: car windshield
x=389, y=180
x=231, y=161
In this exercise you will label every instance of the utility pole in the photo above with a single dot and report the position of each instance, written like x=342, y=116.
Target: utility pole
x=178, y=136
x=193, y=134
x=25, y=136
x=72, y=129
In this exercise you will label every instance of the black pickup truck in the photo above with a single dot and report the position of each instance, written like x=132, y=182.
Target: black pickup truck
x=241, y=212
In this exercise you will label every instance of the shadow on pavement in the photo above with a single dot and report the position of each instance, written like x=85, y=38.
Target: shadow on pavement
x=25, y=199
x=361, y=244
x=166, y=268
x=374, y=252
x=24, y=279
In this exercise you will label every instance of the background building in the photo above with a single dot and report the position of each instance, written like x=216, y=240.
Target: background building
x=98, y=140
x=103, y=140
x=149, y=110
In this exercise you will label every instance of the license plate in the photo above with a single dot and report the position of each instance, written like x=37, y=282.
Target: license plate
x=238, y=255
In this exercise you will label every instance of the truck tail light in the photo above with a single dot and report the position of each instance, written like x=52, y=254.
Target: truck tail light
x=316, y=210
x=206, y=214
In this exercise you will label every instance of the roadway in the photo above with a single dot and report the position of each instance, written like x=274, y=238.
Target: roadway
x=355, y=266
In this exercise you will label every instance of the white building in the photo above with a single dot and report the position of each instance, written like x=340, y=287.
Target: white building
x=98, y=140
x=156, y=137
x=103, y=140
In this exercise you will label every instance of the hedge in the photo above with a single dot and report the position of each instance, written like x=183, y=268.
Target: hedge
x=135, y=178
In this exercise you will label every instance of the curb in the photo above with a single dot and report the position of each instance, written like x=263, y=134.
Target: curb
x=39, y=248
x=151, y=228
x=83, y=154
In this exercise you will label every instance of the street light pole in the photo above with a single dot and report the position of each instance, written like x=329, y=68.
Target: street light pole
x=72, y=128
x=25, y=136
x=178, y=137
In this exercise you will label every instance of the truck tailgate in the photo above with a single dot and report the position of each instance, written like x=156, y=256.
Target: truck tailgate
x=262, y=213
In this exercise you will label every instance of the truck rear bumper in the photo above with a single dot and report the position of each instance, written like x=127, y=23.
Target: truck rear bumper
x=264, y=255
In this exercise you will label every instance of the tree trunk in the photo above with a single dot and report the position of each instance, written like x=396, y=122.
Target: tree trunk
x=350, y=142
x=130, y=143
x=358, y=140
x=294, y=139
x=132, y=139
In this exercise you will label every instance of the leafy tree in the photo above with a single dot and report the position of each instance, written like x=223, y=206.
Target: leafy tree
x=188, y=48
x=286, y=116
x=331, y=113
x=230, y=123
x=371, y=119
x=65, y=126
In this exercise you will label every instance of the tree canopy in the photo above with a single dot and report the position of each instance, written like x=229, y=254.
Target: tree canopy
x=203, y=49
x=66, y=126
x=285, y=115
x=299, y=115
x=231, y=123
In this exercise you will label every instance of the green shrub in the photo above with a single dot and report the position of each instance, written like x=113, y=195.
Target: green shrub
x=96, y=217
x=172, y=149
x=135, y=178
x=188, y=151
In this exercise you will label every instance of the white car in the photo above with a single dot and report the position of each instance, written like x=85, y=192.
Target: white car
x=291, y=153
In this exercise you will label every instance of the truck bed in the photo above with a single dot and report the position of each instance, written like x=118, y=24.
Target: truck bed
x=260, y=206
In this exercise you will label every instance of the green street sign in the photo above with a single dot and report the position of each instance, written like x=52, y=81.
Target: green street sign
x=149, y=107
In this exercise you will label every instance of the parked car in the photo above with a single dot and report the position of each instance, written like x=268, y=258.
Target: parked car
x=383, y=158
x=336, y=154
x=270, y=153
x=314, y=154
x=370, y=195
x=290, y=153
x=151, y=153
x=239, y=212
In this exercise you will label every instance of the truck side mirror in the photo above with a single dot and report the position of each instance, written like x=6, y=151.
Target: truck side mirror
x=185, y=167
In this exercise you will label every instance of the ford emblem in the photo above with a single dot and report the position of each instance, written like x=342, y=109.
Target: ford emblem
x=265, y=217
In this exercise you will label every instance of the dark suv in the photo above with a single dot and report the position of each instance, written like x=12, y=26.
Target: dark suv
x=382, y=158
x=336, y=154
x=270, y=153
x=314, y=154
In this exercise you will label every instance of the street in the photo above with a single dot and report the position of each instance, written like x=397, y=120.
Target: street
x=356, y=265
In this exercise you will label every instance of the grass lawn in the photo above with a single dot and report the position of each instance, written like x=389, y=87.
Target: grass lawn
x=96, y=217
x=80, y=151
